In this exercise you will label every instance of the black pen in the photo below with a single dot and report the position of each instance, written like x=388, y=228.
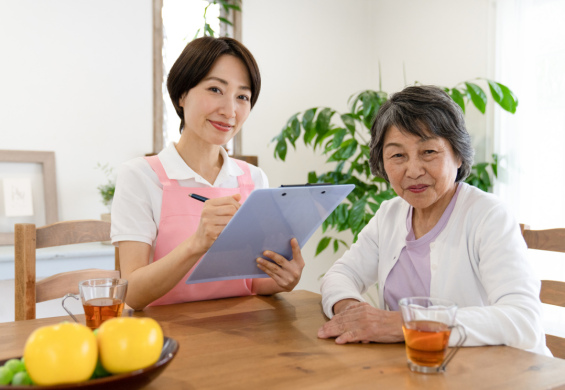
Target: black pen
x=198, y=197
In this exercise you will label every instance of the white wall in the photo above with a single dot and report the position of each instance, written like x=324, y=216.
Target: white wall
x=319, y=52
x=76, y=78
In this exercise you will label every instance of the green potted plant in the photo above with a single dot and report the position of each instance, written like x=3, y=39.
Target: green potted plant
x=345, y=137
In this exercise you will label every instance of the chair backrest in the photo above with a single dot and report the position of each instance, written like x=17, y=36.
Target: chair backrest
x=552, y=292
x=253, y=160
x=28, y=238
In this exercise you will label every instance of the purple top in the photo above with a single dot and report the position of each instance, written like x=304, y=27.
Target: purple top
x=411, y=275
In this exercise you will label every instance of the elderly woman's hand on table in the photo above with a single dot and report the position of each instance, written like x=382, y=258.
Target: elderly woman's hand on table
x=360, y=322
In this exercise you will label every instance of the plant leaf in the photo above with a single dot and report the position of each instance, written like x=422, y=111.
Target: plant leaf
x=323, y=120
x=233, y=6
x=208, y=29
x=481, y=166
x=367, y=105
x=338, y=138
x=349, y=122
x=366, y=151
x=324, y=226
x=352, y=101
x=458, y=98
x=495, y=91
x=309, y=135
x=346, y=150
x=312, y=177
x=341, y=213
x=294, y=129
x=330, y=221
x=308, y=117
x=485, y=178
x=373, y=206
x=323, y=244
x=357, y=214
x=494, y=165
x=224, y=20
x=509, y=100
x=478, y=96
x=281, y=149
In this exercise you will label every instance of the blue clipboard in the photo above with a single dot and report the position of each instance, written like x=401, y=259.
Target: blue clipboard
x=268, y=219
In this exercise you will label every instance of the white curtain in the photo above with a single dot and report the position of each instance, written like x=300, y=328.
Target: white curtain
x=530, y=59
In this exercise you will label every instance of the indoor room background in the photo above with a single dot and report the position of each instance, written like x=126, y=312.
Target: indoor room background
x=77, y=77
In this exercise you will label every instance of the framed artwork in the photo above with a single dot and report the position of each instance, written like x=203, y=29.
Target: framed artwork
x=28, y=191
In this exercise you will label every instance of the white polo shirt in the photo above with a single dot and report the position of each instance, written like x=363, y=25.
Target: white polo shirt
x=136, y=208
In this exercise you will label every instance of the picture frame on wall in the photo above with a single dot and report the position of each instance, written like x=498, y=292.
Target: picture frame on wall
x=28, y=190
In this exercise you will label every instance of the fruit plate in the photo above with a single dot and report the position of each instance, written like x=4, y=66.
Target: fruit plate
x=130, y=380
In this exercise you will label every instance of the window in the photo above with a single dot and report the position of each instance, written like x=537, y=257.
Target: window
x=177, y=22
x=531, y=59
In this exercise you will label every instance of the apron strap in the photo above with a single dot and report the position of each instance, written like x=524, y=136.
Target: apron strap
x=245, y=181
x=157, y=166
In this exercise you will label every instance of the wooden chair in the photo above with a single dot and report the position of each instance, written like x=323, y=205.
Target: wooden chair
x=552, y=292
x=28, y=238
x=253, y=160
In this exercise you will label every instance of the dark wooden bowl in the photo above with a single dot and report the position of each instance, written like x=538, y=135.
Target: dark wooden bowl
x=130, y=380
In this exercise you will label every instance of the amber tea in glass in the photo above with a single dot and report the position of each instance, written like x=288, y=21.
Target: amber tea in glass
x=426, y=342
x=427, y=325
x=102, y=299
x=98, y=310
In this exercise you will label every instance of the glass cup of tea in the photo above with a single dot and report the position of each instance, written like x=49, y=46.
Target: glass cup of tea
x=102, y=299
x=427, y=324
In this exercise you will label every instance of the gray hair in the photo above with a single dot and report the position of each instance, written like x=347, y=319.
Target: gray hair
x=422, y=111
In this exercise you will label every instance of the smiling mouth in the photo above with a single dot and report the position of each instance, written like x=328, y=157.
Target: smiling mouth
x=418, y=188
x=225, y=127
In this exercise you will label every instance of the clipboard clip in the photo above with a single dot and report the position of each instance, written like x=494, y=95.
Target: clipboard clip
x=305, y=185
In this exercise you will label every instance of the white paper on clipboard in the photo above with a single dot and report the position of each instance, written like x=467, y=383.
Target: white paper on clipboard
x=267, y=220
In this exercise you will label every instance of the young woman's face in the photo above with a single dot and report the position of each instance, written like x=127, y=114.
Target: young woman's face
x=422, y=172
x=216, y=108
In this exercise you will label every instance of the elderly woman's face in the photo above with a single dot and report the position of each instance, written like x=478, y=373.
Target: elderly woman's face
x=422, y=172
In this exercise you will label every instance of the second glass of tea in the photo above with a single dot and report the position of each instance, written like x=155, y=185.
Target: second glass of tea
x=102, y=299
x=427, y=326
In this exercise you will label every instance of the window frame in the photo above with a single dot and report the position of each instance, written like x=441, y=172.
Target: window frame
x=159, y=71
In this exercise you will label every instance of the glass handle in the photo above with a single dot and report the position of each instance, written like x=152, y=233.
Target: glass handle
x=75, y=296
x=462, y=339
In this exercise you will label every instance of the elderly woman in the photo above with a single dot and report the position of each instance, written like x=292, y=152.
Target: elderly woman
x=439, y=238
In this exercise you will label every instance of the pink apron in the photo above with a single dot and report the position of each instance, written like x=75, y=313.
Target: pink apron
x=180, y=216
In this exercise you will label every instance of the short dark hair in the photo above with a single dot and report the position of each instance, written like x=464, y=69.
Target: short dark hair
x=197, y=59
x=422, y=110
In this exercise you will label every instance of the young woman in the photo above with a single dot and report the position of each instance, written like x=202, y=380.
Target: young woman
x=162, y=232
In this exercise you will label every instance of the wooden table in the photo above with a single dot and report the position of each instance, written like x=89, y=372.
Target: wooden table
x=271, y=343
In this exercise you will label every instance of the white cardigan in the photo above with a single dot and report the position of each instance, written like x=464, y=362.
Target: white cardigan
x=478, y=260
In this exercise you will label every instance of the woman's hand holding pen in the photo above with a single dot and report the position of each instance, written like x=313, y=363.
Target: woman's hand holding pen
x=216, y=214
x=284, y=272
